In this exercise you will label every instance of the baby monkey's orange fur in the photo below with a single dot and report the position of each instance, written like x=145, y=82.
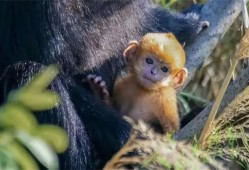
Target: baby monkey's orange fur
x=156, y=69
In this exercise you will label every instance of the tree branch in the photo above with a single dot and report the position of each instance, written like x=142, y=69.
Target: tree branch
x=221, y=15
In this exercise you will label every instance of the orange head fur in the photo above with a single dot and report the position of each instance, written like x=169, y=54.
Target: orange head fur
x=165, y=47
x=157, y=58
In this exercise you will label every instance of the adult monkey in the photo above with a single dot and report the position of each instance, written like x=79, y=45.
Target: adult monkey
x=82, y=36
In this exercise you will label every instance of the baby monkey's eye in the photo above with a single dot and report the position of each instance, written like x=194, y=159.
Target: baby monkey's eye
x=164, y=69
x=149, y=60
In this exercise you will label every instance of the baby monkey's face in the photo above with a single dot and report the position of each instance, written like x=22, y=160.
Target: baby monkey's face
x=153, y=72
x=157, y=61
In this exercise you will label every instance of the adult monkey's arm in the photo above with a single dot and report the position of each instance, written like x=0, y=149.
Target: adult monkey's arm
x=221, y=15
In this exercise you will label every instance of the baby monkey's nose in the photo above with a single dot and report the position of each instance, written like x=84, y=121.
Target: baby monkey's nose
x=153, y=72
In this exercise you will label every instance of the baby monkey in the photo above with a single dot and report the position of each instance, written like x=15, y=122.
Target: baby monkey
x=148, y=92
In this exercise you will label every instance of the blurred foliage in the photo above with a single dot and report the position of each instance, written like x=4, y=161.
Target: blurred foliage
x=22, y=139
x=148, y=150
x=208, y=79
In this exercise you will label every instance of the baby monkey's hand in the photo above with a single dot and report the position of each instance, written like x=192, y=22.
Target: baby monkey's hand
x=98, y=86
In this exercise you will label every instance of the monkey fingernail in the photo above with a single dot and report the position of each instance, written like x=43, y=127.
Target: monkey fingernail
x=102, y=84
x=97, y=79
x=90, y=76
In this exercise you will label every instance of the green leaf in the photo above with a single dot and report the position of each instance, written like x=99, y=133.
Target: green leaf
x=43, y=79
x=6, y=161
x=35, y=101
x=21, y=156
x=40, y=149
x=6, y=137
x=13, y=115
x=55, y=136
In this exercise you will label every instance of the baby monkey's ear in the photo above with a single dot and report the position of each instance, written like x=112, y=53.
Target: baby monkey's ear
x=180, y=77
x=131, y=50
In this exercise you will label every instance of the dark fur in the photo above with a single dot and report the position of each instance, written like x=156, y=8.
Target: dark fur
x=83, y=36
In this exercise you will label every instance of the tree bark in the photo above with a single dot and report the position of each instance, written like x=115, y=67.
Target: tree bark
x=220, y=14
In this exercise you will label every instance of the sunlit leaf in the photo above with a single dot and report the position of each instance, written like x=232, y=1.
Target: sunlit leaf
x=13, y=115
x=55, y=136
x=35, y=101
x=43, y=79
x=6, y=161
x=21, y=156
x=41, y=150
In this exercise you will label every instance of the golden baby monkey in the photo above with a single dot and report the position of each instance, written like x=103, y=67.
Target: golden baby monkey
x=148, y=92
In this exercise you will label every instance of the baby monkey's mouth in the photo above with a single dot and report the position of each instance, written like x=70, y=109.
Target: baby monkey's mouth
x=149, y=79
